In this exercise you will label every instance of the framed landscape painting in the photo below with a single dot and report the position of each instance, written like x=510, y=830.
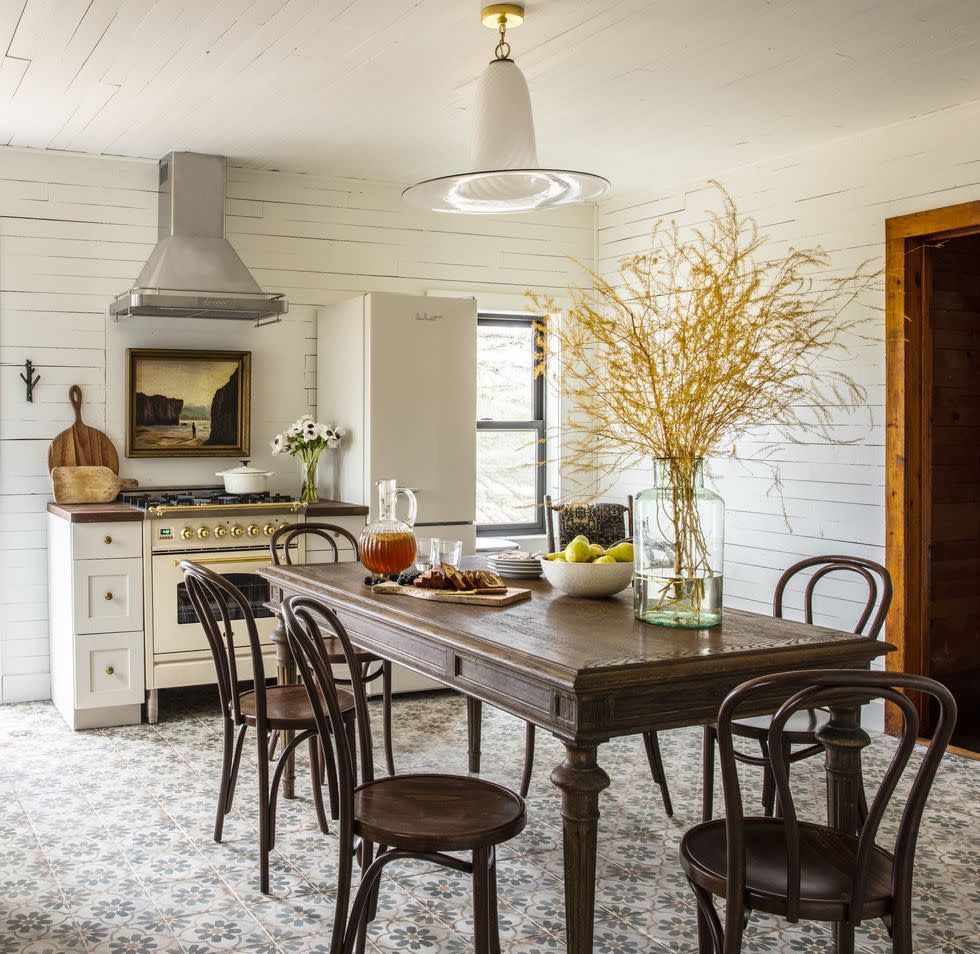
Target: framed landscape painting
x=188, y=403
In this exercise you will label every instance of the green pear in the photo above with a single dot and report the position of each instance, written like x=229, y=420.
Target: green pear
x=606, y=558
x=560, y=555
x=578, y=551
x=597, y=551
x=621, y=553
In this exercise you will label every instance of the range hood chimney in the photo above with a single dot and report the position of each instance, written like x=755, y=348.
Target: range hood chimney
x=193, y=272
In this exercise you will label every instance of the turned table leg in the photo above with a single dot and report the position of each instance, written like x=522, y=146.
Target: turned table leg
x=581, y=780
x=843, y=739
x=474, y=727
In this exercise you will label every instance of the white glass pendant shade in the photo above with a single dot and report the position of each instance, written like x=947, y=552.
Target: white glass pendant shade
x=506, y=177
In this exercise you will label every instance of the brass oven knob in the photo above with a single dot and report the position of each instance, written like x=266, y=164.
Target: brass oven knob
x=187, y=533
x=253, y=531
x=107, y=540
x=108, y=596
x=220, y=532
x=109, y=670
x=236, y=531
x=204, y=533
x=268, y=529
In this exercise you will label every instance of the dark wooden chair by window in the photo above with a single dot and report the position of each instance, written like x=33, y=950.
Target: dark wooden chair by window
x=421, y=816
x=797, y=869
x=606, y=524
x=266, y=709
x=802, y=729
x=279, y=545
x=603, y=523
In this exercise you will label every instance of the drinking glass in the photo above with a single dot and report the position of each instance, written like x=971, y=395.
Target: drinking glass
x=423, y=554
x=446, y=551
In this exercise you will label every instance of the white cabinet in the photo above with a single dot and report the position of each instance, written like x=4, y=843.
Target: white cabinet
x=95, y=596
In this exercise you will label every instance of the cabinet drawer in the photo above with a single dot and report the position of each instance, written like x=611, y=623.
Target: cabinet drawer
x=107, y=541
x=108, y=596
x=108, y=670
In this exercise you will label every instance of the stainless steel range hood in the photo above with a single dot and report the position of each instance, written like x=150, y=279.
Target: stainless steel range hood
x=193, y=272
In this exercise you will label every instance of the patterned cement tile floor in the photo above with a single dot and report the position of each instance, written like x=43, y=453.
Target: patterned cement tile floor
x=105, y=845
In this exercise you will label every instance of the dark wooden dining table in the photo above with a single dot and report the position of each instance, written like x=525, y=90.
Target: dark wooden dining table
x=587, y=671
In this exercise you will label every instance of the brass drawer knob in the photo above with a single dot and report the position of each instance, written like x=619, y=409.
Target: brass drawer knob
x=109, y=670
x=108, y=596
x=107, y=540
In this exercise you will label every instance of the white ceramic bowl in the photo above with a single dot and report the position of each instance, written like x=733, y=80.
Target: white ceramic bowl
x=591, y=580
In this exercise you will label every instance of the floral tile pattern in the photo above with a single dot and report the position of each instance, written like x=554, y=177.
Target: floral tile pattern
x=106, y=846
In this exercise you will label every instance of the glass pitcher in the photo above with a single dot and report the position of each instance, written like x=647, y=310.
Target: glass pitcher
x=388, y=544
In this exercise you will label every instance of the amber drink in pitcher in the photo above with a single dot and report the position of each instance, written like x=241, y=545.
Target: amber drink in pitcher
x=388, y=544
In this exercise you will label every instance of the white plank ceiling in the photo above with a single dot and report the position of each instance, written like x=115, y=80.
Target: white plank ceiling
x=642, y=91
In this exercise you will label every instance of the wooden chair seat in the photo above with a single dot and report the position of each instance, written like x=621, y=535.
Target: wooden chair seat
x=827, y=862
x=800, y=729
x=288, y=707
x=430, y=812
x=335, y=652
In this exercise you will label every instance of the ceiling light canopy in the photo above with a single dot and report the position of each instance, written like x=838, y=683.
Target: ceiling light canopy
x=506, y=176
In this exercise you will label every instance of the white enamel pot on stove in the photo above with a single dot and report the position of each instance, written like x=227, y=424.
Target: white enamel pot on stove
x=244, y=479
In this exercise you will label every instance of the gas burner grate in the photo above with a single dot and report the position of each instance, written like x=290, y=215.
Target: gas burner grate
x=200, y=497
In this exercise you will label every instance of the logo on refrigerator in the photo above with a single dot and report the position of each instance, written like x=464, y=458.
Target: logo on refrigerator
x=425, y=316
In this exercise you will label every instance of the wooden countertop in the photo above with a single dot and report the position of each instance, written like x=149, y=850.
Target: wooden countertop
x=95, y=512
x=336, y=508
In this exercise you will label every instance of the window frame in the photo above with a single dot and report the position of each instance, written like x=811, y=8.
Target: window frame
x=538, y=424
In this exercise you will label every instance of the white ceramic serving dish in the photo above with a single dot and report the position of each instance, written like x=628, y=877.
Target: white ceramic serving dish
x=590, y=580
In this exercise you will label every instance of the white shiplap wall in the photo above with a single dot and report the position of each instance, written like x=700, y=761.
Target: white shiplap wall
x=836, y=196
x=75, y=230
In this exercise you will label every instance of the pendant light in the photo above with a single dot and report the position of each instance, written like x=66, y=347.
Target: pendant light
x=506, y=176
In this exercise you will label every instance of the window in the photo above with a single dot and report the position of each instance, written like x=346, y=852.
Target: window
x=510, y=427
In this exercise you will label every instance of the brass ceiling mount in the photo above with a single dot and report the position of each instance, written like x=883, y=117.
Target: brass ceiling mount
x=508, y=15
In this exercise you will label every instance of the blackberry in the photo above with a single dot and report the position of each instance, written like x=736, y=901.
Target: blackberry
x=369, y=581
x=408, y=577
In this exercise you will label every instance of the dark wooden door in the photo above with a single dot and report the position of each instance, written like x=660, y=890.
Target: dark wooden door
x=952, y=581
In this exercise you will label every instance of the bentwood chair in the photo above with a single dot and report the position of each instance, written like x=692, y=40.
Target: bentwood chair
x=803, y=727
x=279, y=545
x=266, y=709
x=800, y=869
x=421, y=816
x=606, y=524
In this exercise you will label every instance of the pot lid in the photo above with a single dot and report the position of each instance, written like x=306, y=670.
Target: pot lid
x=244, y=471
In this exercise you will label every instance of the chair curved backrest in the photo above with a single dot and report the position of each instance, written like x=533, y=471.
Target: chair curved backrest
x=604, y=523
x=284, y=536
x=806, y=690
x=877, y=578
x=216, y=602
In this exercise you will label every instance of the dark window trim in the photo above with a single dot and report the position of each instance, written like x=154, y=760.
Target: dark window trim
x=537, y=424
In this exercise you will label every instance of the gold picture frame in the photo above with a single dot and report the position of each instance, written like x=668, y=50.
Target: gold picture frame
x=173, y=395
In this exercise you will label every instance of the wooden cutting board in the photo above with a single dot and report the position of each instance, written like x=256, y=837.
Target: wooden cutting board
x=88, y=484
x=81, y=445
x=513, y=595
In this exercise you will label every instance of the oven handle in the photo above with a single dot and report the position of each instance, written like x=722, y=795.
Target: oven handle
x=236, y=559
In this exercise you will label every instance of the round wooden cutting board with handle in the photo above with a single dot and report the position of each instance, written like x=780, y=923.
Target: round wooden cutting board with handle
x=81, y=445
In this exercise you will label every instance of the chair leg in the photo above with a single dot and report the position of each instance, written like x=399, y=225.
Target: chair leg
x=708, y=774
x=264, y=813
x=481, y=901
x=711, y=939
x=528, y=758
x=316, y=779
x=652, y=745
x=273, y=742
x=844, y=938
x=227, y=754
x=778, y=807
x=386, y=716
x=330, y=773
x=768, y=783
x=494, y=916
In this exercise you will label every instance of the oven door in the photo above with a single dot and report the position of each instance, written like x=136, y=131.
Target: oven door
x=176, y=628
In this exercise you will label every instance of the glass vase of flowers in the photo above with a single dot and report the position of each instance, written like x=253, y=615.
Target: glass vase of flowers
x=307, y=439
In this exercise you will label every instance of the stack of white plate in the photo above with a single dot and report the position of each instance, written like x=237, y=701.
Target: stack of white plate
x=510, y=566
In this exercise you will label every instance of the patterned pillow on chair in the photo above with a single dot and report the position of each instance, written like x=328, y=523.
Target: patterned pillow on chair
x=602, y=523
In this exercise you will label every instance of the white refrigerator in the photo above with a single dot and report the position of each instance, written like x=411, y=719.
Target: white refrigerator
x=397, y=373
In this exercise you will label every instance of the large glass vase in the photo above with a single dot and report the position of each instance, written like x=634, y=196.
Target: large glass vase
x=678, y=545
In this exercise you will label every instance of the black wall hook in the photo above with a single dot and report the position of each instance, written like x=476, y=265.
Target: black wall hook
x=31, y=380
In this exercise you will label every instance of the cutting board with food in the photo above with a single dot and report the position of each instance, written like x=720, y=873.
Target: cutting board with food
x=81, y=445
x=446, y=584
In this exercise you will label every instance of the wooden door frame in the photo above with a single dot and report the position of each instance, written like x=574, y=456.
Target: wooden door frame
x=908, y=377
